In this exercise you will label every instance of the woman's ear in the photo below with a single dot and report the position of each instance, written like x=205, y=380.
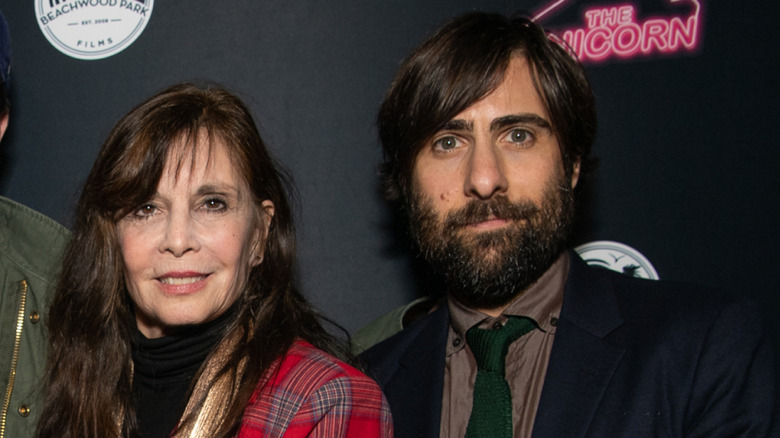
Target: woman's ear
x=3, y=124
x=575, y=173
x=265, y=215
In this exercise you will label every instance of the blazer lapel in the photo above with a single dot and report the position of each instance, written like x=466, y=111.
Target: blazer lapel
x=583, y=359
x=417, y=384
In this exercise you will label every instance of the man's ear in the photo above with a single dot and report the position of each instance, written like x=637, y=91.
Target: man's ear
x=575, y=173
x=258, y=246
x=3, y=124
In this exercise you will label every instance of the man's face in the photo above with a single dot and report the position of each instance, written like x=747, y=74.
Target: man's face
x=491, y=205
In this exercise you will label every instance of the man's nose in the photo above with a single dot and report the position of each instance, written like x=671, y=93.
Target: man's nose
x=486, y=174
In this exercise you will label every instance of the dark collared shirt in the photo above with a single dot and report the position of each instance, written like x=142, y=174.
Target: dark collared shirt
x=526, y=361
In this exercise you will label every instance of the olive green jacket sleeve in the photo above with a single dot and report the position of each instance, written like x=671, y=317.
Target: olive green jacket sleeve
x=31, y=247
x=391, y=323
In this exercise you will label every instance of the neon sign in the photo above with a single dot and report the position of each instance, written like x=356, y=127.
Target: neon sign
x=615, y=31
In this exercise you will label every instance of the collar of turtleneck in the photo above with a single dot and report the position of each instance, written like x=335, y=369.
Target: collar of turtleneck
x=177, y=357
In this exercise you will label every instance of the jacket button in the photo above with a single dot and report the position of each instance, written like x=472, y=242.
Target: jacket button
x=35, y=317
x=24, y=410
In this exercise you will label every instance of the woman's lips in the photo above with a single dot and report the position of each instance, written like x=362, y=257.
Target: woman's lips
x=178, y=281
x=182, y=283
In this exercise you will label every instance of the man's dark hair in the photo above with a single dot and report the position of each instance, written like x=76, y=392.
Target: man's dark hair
x=5, y=105
x=463, y=62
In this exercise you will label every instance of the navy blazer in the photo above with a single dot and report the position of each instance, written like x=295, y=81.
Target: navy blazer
x=631, y=358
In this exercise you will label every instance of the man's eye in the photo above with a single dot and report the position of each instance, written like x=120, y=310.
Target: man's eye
x=447, y=143
x=518, y=136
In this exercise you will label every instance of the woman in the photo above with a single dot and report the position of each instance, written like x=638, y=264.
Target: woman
x=176, y=312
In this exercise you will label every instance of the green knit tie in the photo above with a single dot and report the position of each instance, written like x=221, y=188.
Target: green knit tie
x=491, y=413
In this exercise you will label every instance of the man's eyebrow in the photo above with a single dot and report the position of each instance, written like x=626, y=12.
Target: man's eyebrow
x=458, y=125
x=526, y=119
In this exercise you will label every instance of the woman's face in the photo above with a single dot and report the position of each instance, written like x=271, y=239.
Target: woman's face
x=188, y=251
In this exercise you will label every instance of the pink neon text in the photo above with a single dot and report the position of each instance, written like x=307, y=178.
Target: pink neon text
x=615, y=32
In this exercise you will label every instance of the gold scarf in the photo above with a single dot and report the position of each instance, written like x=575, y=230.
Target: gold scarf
x=216, y=393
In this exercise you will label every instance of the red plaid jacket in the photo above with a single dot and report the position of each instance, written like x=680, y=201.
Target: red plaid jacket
x=313, y=394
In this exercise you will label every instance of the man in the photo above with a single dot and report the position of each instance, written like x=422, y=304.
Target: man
x=487, y=131
x=30, y=249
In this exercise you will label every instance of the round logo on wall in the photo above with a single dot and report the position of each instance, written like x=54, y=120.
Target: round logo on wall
x=617, y=257
x=92, y=29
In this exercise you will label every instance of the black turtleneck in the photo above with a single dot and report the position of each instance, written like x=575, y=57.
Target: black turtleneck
x=163, y=370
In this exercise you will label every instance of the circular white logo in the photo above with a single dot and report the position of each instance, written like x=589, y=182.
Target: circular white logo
x=617, y=257
x=92, y=29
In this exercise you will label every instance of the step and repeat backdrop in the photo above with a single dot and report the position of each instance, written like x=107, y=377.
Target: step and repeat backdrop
x=687, y=93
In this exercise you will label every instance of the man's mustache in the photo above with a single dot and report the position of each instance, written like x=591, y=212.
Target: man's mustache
x=477, y=211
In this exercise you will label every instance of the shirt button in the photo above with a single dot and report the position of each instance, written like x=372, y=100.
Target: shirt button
x=24, y=410
x=35, y=317
x=554, y=322
x=456, y=342
x=497, y=326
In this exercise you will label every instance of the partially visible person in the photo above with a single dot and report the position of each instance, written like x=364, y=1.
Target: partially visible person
x=177, y=312
x=487, y=131
x=31, y=247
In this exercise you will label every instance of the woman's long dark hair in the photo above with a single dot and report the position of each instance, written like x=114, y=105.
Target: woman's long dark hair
x=89, y=368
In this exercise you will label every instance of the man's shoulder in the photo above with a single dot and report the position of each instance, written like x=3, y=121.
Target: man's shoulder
x=29, y=240
x=629, y=289
x=648, y=296
x=659, y=310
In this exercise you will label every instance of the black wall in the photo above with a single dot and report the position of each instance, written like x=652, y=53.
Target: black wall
x=687, y=142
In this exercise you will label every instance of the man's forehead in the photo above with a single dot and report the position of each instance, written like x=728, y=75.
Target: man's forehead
x=515, y=95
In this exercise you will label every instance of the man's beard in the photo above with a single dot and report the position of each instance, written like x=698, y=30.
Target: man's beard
x=487, y=269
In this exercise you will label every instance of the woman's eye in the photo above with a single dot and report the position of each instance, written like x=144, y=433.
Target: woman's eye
x=214, y=204
x=447, y=143
x=146, y=210
x=519, y=136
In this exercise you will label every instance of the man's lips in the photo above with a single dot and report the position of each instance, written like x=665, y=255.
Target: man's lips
x=490, y=223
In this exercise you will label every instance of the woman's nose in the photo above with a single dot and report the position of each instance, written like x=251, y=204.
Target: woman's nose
x=180, y=236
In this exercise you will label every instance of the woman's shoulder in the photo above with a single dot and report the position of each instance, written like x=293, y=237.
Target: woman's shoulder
x=309, y=390
x=311, y=367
